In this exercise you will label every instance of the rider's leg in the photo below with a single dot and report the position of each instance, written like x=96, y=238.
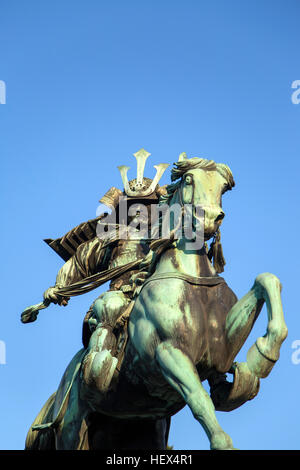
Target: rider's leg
x=181, y=373
x=99, y=363
x=265, y=352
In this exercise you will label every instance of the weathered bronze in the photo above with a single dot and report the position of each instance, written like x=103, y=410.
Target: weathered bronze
x=167, y=323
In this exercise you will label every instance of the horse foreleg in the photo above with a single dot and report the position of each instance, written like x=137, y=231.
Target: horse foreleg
x=181, y=374
x=264, y=353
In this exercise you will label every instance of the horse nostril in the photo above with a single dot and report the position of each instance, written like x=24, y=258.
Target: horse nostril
x=220, y=217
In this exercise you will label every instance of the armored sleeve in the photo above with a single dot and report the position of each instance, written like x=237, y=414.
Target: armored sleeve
x=90, y=258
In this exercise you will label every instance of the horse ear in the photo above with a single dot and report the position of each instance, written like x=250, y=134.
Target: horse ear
x=182, y=157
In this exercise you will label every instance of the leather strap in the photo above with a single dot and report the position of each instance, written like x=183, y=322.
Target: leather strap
x=197, y=280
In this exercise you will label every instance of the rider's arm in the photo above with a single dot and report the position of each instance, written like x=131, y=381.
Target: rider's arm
x=88, y=259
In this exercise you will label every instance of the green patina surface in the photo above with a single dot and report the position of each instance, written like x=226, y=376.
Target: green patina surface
x=185, y=326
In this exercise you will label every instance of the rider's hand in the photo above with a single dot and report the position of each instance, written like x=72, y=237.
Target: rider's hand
x=51, y=295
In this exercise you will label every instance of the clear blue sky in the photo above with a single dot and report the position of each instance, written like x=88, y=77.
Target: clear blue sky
x=88, y=84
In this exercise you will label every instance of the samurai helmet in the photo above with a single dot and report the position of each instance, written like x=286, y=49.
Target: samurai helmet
x=140, y=186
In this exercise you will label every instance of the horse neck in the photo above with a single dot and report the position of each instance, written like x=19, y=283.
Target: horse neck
x=176, y=258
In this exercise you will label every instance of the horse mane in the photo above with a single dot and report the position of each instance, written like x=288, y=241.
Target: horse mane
x=181, y=167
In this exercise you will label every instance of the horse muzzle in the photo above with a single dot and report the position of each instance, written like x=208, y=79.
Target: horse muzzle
x=212, y=221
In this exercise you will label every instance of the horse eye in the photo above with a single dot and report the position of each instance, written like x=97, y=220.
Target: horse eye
x=188, y=179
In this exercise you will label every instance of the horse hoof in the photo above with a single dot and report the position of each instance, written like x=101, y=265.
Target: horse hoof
x=221, y=441
x=258, y=363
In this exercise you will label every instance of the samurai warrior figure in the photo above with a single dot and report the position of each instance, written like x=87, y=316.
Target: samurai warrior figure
x=107, y=248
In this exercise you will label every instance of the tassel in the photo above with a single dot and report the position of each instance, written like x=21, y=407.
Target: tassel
x=216, y=253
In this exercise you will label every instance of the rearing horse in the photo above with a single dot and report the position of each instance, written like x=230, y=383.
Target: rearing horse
x=186, y=326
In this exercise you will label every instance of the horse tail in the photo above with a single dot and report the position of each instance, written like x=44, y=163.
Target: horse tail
x=42, y=439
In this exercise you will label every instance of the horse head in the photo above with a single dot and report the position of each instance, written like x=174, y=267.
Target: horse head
x=201, y=183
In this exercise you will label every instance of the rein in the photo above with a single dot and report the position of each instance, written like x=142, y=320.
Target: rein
x=215, y=253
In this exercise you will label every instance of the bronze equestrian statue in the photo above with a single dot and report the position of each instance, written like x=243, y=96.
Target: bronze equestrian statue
x=167, y=323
